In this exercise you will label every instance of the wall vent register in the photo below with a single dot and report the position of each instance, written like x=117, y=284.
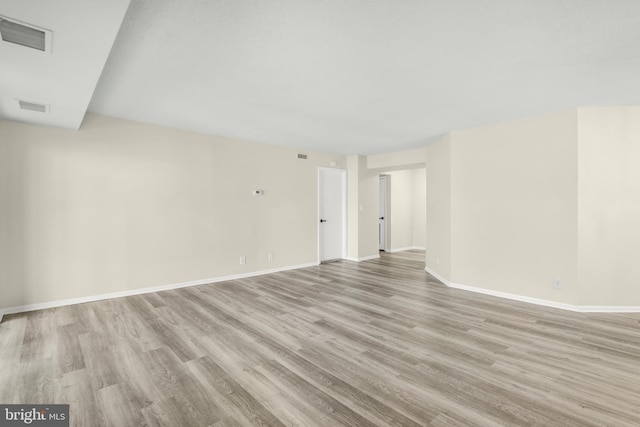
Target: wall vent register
x=22, y=34
x=32, y=106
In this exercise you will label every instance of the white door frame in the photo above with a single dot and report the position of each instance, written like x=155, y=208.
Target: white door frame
x=386, y=214
x=344, y=211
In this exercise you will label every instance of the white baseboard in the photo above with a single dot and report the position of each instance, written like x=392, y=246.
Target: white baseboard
x=538, y=301
x=365, y=258
x=437, y=276
x=408, y=248
x=515, y=297
x=608, y=309
x=92, y=298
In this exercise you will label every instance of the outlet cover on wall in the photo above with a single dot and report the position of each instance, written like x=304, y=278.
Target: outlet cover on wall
x=557, y=284
x=243, y=260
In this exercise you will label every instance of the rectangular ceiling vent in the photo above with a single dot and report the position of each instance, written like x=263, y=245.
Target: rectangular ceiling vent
x=16, y=32
x=32, y=106
x=302, y=156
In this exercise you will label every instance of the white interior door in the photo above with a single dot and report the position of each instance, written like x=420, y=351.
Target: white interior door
x=382, y=217
x=332, y=212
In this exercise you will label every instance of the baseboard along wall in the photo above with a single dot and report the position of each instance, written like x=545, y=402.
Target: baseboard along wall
x=515, y=297
x=92, y=298
x=537, y=301
x=408, y=248
x=366, y=258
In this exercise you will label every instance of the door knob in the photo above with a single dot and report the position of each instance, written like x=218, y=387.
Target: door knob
x=381, y=217
x=323, y=220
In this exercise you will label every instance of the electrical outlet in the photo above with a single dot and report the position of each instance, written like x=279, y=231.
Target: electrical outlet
x=557, y=284
x=243, y=260
x=270, y=257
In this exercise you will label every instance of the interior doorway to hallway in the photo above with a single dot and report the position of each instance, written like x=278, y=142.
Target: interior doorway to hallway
x=402, y=204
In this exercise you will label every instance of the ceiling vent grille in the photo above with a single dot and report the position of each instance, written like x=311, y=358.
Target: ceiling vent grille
x=32, y=106
x=22, y=34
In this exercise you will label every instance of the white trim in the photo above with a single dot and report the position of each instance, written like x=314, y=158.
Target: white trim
x=385, y=181
x=538, y=301
x=608, y=309
x=110, y=295
x=408, y=248
x=521, y=298
x=318, y=196
x=364, y=258
x=436, y=275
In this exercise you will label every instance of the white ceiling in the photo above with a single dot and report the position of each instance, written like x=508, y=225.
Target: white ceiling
x=83, y=32
x=344, y=76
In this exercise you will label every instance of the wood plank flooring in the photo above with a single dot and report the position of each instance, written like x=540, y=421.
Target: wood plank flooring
x=359, y=344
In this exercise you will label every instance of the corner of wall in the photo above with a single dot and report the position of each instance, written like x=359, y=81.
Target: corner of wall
x=608, y=205
x=353, y=182
x=368, y=194
x=438, y=209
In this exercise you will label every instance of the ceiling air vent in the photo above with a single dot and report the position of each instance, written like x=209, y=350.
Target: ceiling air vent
x=13, y=31
x=32, y=106
x=302, y=156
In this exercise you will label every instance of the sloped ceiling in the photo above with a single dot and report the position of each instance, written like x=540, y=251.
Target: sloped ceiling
x=344, y=76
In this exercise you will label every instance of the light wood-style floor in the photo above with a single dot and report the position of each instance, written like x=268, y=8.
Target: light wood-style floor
x=375, y=343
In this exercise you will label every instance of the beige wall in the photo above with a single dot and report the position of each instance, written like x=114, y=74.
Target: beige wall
x=398, y=160
x=368, y=193
x=511, y=207
x=514, y=206
x=419, y=208
x=438, y=221
x=609, y=206
x=362, y=209
x=120, y=205
x=353, y=216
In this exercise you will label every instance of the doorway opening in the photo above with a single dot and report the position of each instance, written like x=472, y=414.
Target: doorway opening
x=402, y=210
